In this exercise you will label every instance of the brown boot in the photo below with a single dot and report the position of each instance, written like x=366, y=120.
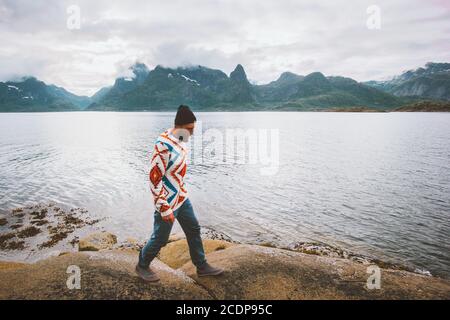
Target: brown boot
x=147, y=274
x=208, y=270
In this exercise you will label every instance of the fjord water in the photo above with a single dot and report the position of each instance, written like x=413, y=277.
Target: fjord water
x=374, y=183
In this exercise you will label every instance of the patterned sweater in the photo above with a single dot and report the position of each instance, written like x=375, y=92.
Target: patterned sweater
x=167, y=170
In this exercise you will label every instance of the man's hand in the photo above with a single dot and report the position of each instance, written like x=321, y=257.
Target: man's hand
x=169, y=218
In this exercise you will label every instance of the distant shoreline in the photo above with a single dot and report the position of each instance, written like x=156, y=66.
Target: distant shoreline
x=422, y=106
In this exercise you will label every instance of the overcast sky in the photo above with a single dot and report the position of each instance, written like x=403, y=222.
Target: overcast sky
x=266, y=37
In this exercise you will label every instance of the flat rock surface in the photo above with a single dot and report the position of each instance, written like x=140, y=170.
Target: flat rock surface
x=176, y=253
x=251, y=272
x=255, y=272
x=104, y=275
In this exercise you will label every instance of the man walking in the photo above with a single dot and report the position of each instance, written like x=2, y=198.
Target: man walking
x=168, y=167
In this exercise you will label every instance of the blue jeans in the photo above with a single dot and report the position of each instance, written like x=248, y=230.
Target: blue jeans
x=161, y=231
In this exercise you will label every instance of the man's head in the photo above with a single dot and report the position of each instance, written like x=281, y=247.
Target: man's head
x=185, y=122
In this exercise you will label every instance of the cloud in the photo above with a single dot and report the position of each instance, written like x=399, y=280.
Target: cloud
x=266, y=37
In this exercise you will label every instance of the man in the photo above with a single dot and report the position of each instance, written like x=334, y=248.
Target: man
x=168, y=167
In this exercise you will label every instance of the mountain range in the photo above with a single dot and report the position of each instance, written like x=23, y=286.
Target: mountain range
x=206, y=89
x=30, y=94
x=430, y=82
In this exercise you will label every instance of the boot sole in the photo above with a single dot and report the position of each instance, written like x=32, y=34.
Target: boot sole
x=210, y=274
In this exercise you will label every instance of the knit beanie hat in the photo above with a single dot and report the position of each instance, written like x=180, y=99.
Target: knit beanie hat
x=184, y=116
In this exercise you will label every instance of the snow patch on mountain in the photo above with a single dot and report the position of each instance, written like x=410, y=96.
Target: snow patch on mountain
x=189, y=79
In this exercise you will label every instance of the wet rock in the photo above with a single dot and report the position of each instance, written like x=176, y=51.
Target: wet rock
x=39, y=222
x=323, y=249
x=210, y=233
x=3, y=221
x=28, y=232
x=40, y=214
x=97, y=241
x=55, y=237
x=129, y=244
x=9, y=241
x=4, y=240
x=42, y=226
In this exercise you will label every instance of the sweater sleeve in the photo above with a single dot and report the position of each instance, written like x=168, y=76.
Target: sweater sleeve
x=159, y=161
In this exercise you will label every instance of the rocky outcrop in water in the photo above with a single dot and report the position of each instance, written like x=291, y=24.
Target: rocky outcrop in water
x=97, y=241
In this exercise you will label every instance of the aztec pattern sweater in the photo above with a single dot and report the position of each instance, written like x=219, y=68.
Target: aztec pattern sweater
x=167, y=170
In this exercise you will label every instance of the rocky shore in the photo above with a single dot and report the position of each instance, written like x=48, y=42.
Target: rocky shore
x=252, y=272
x=263, y=271
x=43, y=229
